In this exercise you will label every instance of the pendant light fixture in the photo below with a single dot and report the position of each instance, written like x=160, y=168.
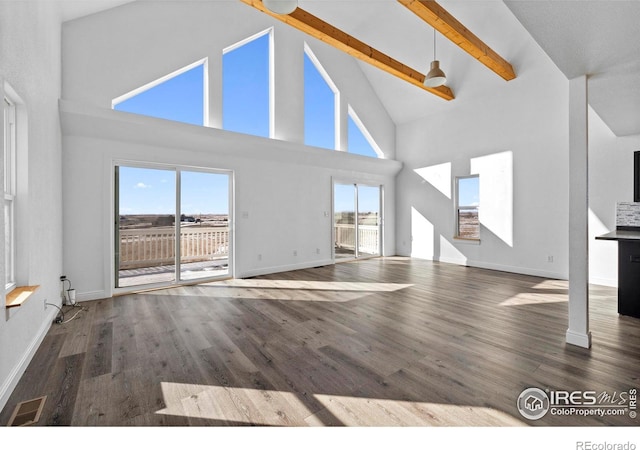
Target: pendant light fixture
x=281, y=6
x=436, y=76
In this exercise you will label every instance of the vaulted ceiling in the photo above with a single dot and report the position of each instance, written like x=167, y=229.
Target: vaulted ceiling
x=74, y=9
x=594, y=37
x=598, y=38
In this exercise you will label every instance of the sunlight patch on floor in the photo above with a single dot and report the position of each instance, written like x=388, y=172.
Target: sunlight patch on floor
x=552, y=284
x=290, y=290
x=235, y=405
x=314, y=285
x=358, y=411
x=535, y=299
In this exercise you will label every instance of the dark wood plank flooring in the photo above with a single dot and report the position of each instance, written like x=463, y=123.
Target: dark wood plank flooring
x=381, y=342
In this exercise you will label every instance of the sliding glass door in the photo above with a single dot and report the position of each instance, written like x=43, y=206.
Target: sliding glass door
x=204, y=225
x=356, y=221
x=145, y=250
x=368, y=220
x=172, y=225
x=344, y=217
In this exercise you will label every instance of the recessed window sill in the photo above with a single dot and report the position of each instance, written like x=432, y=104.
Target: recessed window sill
x=19, y=295
x=464, y=240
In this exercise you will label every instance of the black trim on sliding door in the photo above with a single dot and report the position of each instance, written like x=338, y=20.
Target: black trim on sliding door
x=116, y=227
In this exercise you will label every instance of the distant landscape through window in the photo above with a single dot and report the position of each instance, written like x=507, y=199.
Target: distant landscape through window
x=467, y=207
x=148, y=221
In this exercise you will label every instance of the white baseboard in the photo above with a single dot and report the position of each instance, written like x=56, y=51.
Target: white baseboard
x=517, y=269
x=286, y=268
x=12, y=380
x=520, y=270
x=604, y=281
x=579, y=339
x=92, y=295
x=457, y=261
x=503, y=268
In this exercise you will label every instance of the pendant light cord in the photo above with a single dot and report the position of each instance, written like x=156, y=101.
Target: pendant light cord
x=434, y=44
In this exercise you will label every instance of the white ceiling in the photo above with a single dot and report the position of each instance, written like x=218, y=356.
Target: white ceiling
x=74, y=9
x=600, y=38
x=393, y=29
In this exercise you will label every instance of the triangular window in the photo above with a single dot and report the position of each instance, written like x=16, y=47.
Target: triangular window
x=360, y=141
x=179, y=96
x=321, y=100
x=246, y=86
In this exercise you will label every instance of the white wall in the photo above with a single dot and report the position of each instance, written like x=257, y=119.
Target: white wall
x=516, y=137
x=610, y=181
x=284, y=187
x=282, y=190
x=109, y=54
x=30, y=64
x=523, y=123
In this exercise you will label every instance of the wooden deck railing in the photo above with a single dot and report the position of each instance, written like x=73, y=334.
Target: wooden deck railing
x=149, y=247
x=368, y=239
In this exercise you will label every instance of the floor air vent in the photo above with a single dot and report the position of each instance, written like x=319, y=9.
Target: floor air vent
x=27, y=413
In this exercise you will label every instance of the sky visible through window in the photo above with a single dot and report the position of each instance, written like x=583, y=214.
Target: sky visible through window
x=319, y=108
x=180, y=98
x=153, y=191
x=245, y=105
x=146, y=191
x=245, y=89
x=368, y=198
x=204, y=193
x=357, y=142
x=469, y=191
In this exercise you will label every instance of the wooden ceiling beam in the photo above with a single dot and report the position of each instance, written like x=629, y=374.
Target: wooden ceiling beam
x=440, y=19
x=319, y=29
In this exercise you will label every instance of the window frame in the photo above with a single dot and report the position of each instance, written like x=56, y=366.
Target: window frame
x=204, y=62
x=337, y=112
x=9, y=167
x=114, y=213
x=270, y=82
x=351, y=115
x=458, y=208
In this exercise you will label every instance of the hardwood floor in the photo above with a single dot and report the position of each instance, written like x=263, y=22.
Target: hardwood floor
x=381, y=342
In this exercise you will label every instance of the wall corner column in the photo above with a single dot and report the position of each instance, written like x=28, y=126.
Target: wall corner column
x=214, y=90
x=288, y=85
x=578, y=332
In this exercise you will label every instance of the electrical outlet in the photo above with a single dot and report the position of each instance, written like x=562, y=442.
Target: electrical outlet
x=550, y=258
x=295, y=253
x=259, y=257
x=317, y=251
